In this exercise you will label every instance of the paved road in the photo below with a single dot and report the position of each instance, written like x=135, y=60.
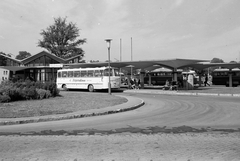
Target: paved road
x=159, y=110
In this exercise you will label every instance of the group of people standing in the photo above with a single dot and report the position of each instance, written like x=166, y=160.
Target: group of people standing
x=134, y=83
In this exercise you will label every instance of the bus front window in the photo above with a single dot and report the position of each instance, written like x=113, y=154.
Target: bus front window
x=116, y=72
x=106, y=73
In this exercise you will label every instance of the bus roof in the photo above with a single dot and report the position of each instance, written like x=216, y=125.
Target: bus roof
x=226, y=70
x=74, y=69
x=164, y=70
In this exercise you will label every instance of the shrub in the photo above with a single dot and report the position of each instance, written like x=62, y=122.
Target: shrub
x=4, y=98
x=39, y=85
x=27, y=90
x=5, y=89
x=15, y=94
x=41, y=93
x=48, y=94
x=31, y=93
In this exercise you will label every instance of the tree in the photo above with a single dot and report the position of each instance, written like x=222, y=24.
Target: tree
x=214, y=60
x=232, y=62
x=94, y=61
x=217, y=60
x=61, y=39
x=3, y=59
x=22, y=55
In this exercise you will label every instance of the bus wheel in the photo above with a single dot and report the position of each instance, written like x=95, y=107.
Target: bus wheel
x=90, y=88
x=64, y=87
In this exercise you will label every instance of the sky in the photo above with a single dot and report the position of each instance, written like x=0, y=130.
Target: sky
x=147, y=29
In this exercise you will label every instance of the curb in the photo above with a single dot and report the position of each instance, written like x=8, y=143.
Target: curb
x=75, y=115
x=183, y=93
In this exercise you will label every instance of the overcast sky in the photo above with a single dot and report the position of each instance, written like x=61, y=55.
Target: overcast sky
x=160, y=29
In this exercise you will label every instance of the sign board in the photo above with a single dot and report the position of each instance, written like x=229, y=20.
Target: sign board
x=56, y=65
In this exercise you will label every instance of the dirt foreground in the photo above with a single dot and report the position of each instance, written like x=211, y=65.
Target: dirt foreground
x=122, y=147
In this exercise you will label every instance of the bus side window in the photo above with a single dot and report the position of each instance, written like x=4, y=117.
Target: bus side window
x=76, y=73
x=59, y=74
x=96, y=73
x=64, y=74
x=70, y=73
x=83, y=73
x=90, y=73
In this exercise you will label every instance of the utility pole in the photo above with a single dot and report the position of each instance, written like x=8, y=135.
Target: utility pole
x=120, y=49
x=131, y=59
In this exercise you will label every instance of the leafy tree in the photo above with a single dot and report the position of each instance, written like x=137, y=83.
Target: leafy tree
x=94, y=61
x=61, y=39
x=233, y=61
x=3, y=59
x=214, y=60
x=217, y=60
x=22, y=55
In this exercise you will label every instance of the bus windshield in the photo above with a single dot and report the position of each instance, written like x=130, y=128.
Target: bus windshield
x=113, y=72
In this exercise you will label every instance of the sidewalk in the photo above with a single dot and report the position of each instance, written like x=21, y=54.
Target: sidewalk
x=131, y=104
x=201, y=91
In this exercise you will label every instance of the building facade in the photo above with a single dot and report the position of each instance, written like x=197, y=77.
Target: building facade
x=40, y=67
x=4, y=74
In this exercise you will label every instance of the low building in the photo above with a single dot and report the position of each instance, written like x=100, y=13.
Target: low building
x=40, y=67
x=4, y=74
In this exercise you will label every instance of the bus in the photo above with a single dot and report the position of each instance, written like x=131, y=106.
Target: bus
x=221, y=77
x=88, y=78
x=160, y=76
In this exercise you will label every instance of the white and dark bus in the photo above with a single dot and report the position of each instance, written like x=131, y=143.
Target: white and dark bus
x=88, y=78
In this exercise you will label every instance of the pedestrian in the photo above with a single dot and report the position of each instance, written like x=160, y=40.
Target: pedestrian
x=136, y=83
x=206, y=80
x=139, y=83
x=132, y=83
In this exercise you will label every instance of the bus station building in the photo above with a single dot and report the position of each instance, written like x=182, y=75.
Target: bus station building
x=43, y=66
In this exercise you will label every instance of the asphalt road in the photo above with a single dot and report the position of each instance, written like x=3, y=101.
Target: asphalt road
x=158, y=111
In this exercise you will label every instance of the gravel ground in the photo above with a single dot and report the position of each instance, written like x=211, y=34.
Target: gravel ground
x=122, y=147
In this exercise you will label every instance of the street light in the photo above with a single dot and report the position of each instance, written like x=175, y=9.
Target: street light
x=109, y=80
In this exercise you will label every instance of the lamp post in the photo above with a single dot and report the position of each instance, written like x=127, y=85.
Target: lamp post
x=109, y=80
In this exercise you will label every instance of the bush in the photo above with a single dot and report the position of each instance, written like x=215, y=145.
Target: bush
x=5, y=98
x=41, y=93
x=48, y=94
x=15, y=94
x=27, y=90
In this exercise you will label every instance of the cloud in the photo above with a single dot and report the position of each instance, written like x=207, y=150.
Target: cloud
x=172, y=39
x=178, y=2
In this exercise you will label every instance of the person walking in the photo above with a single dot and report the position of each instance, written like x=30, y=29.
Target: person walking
x=206, y=80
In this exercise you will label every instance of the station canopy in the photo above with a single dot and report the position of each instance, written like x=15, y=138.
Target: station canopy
x=145, y=65
x=14, y=68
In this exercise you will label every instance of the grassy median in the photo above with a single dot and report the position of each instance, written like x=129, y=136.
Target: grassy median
x=67, y=102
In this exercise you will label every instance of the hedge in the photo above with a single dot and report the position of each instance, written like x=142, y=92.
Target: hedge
x=27, y=90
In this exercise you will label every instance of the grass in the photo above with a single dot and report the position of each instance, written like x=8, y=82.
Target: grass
x=67, y=102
